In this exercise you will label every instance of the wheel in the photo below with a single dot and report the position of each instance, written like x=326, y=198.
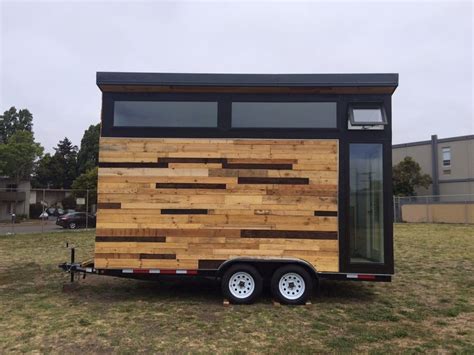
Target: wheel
x=242, y=284
x=72, y=225
x=291, y=284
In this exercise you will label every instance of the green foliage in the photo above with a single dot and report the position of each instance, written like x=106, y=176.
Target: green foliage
x=88, y=155
x=69, y=202
x=43, y=174
x=407, y=176
x=18, y=154
x=87, y=181
x=36, y=209
x=59, y=170
x=66, y=164
x=13, y=121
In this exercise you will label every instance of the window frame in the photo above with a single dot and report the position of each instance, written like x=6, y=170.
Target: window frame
x=367, y=105
x=448, y=149
x=224, y=116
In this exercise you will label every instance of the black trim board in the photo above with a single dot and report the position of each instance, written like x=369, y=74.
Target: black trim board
x=265, y=80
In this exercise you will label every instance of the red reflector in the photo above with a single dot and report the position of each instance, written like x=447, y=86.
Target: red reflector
x=167, y=271
x=192, y=272
x=141, y=271
x=366, y=277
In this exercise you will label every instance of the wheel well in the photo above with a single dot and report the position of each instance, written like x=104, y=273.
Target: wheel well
x=267, y=267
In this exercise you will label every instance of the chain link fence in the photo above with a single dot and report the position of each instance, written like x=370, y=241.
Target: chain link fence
x=41, y=210
x=38, y=210
x=434, y=209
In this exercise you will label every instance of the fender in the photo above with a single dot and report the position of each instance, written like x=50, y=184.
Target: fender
x=278, y=261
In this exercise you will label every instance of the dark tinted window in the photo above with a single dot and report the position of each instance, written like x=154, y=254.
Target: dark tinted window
x=284, y=114
x=165, y=114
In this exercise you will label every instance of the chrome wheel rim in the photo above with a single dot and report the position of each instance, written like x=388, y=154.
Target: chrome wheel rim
x=241, y=285
x=291, y=286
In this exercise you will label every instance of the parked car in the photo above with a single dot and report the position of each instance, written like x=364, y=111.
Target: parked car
x=76, y=220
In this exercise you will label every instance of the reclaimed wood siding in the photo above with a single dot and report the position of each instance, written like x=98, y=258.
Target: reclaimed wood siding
x=193, y=203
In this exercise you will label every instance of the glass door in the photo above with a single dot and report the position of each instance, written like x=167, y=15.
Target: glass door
x=366, y=228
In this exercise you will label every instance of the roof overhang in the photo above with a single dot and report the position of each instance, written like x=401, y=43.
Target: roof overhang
x=253, y=83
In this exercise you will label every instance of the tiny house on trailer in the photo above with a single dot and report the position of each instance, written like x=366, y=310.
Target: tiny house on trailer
x=252, y=179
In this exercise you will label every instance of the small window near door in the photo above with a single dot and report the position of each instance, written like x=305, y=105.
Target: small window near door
x=367, y=114
x=446, y=152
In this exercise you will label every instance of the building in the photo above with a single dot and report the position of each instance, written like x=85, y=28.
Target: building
x=449, y=162
x=25, y=196
x=11, y=192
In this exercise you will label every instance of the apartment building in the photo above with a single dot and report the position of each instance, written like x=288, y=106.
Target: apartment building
x=449, y=162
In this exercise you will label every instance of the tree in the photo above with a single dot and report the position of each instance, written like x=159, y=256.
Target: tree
x=88, y=155
x=69, y=202
x=87, y=181
x=18, y=155
x=407, y=176
x=13, y=121
x=59, y=170
x=65, y=160
x=44, y=175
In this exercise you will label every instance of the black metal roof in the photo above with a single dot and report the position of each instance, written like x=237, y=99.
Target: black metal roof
x=268, y=80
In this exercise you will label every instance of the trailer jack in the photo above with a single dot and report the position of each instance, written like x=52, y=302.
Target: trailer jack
x=86, y=267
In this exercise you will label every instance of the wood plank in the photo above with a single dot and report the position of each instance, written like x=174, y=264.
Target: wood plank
x=186, y=219
x=288, y=234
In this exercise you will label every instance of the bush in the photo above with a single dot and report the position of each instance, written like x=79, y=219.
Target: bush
x=69, y=202
x=35, y=210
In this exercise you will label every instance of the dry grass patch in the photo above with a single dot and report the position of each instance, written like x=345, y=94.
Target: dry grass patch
x=428, y=308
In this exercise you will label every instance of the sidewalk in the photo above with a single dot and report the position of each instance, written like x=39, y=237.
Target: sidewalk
x=29, y=227
x=29, y=222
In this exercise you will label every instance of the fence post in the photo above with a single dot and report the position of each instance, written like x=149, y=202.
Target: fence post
x=42, y=214
x=87, y=208
x=13, y=220
x=395, y=214
x=427, y=210
x=466, y=219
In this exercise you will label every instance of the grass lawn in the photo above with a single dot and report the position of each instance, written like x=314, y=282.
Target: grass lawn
x=429, y=307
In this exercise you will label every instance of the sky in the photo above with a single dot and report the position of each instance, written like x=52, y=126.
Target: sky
x=51, y=51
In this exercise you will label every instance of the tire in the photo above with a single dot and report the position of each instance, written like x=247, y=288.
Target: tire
x=291, y=284
x=72, y=225
x=242, y=284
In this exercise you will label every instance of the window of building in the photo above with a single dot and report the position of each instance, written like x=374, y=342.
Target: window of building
x=446, y=152
x=366, y=203
x=284, y=115
x=165, y=114
x=367, y=114
x=12, y=187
